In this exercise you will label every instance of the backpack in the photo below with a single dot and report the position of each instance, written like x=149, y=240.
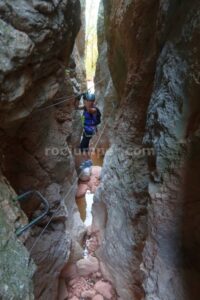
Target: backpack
x=98, y=117
x=90, y=121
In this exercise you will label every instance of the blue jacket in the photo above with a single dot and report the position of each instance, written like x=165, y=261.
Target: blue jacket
x=89, y=122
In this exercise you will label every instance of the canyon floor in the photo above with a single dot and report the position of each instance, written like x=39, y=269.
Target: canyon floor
x=86, y=279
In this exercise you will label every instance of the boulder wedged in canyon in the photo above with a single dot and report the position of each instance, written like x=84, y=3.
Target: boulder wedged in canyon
x=37, y=41
x=146, y=206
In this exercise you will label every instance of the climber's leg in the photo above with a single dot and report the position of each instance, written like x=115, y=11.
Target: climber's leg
x=84, y=146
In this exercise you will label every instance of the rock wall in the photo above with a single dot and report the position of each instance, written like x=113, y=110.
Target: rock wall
x=106, y=96
x=37, y=39
x=79, y=51
x=147, y=205
x=15, y=275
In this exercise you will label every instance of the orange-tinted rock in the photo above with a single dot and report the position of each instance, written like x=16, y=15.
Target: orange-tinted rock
x=92, y=244
x=88, y=294
x=96, y=172
x=74, y=298
x=87, y=266
x=89, y=183
x=98, y=297
x=69, y=271
x=94, y=179
x=81, y=191
x=62, y=290
x=104, y=288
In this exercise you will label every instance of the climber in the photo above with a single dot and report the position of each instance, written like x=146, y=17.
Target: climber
x=90, y=119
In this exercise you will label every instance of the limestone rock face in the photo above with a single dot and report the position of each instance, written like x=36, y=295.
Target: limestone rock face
x=37, y=39
x=105, y=92
x=15, y=273
x=28, y=69
x=79, y=50
x=147, y=204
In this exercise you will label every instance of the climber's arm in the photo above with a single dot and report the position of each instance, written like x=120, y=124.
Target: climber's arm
x=77, y=103
x=92, y=110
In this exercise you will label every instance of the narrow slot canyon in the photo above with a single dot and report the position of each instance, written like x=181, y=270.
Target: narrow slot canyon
x=119, y=220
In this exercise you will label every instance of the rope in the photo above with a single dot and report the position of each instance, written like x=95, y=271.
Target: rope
x=64, y=99
x=51, y=218
x=65, y=197
x=57, y=103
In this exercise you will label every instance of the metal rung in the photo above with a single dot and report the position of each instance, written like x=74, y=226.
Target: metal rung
x=23, y=197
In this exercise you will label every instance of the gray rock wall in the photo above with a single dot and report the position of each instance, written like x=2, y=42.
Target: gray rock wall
x=16, y=276
x=147, y=205
x=106, y=96
x=79, y=51
x=37, y=39
x=172, y=244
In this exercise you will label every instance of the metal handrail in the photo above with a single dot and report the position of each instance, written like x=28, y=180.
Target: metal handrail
x=23, y=197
